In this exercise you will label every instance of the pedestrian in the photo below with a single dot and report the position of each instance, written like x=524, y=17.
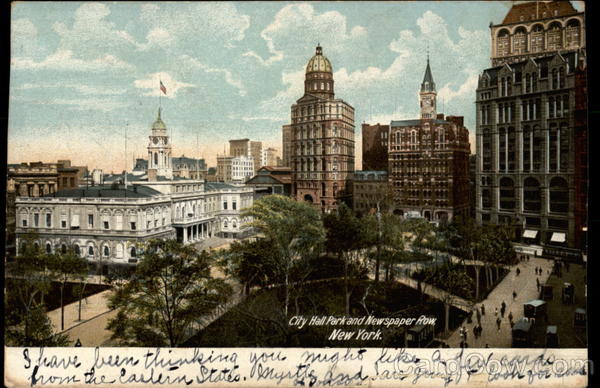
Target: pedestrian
x=465, y=333
x=496, y=311
x=518, y=271
x=502, y=310
x=487, y=346
x=498, y=321
x=510, y=316
x=537, y=281
x=503, y=305
x=514, y=295
x=478, y=314
x=482, y=309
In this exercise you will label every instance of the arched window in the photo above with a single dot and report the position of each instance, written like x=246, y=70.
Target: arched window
x=572, y=33
x=507, y=193
x=77, y=250
x=133, y=252
x=537, y=38
x=555, y=36
x=520, y=41
x=90, y=251
x=559, y=195
x=105, y=251
x=48, y=248
x=503, y=43
x=532, y=199
x=63, y=248
x=155, y=159
x=225, y=224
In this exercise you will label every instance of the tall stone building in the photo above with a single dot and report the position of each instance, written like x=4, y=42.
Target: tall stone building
x=375, y=147
x=429, y=161
x=322, y=144
x=527, y=149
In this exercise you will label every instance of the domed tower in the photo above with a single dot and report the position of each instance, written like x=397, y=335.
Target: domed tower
x=159, y=150
x=319, y=76
x=321, y=139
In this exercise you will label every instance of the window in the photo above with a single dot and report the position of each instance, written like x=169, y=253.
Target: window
x=48, y=248
x=234, y=205
x=90, y=251
x=90, y=220
x=133, y=252
x=106, y=251
x=132, y=224
x=48, y=220
x=36, y=219
x=24, y=221
x=63, y=223
x=224, y=205
x=77, y=250
x=105, y=223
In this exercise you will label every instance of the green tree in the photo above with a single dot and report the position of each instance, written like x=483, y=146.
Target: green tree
x=295, y=230
x=346, y=238
x=26, y=323
x=252, y=263
x=67, y=266
x=170, y=290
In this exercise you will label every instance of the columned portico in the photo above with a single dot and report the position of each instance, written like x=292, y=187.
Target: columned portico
x=194, y=232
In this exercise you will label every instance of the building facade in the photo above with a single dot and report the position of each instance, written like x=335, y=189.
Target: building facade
x=248, y=148
x=107, y=223
x=369, y=190
x=322, y=139
x=526, y=126
x=269, y=157
x=429, y=161
x=286, y=154
x=234, y=168
x=375, y=147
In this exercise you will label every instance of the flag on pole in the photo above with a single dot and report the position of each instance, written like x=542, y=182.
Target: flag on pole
x=162, y=88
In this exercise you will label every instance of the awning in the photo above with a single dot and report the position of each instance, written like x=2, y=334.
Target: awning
x=530, y=233
x=558, y=237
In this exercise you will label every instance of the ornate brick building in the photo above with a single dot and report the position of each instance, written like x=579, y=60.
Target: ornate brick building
x=531, y=128
x=429, y=160
x=322, y=144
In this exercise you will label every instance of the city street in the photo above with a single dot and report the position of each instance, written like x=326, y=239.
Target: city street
x=526, y=289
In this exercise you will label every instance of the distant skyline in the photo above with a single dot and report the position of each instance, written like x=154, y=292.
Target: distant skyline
x=85, y=74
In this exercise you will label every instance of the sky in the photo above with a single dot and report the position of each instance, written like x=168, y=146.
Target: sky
x=84, y=81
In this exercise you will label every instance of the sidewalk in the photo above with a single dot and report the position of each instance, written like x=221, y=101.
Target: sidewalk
x=94, y=317
x=526, y=288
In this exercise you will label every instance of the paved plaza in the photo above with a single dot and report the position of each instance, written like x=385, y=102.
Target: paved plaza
x=525, y=286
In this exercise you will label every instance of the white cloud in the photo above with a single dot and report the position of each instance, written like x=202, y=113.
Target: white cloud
x=229, y=77
x=299, y=23
x=64, y=60
x=23, y=37
x=81, y=88
x=467, y=89
x=152, y=83
x=104, y=105
x=193, y=22
x=91, y=34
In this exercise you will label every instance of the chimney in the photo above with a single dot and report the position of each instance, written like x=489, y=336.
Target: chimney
x=151, y=175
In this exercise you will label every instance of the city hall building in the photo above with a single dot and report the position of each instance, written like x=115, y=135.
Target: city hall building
x=107, y=223
x=531, y=127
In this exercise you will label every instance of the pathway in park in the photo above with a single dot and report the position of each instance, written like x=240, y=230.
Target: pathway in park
x=526, y=289
x=95, y=314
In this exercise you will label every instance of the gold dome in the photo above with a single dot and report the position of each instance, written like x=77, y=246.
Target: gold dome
x=319, y=63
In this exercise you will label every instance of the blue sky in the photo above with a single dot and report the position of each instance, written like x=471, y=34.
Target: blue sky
x=84, y=76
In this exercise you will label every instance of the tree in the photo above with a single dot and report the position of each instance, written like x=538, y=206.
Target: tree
x=345, y=237
x=294, y=228
x=171, y=289
x=66, y=266
x=26, y=323
x=252, y=263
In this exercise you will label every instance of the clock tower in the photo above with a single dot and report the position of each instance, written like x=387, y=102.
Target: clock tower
x=159, y=149
x=428, y=95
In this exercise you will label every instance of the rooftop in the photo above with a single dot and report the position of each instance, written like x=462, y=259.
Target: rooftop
x=107, y=191
x=536, y=10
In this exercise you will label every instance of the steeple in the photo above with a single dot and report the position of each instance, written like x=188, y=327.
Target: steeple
x=428, y=85
x=427, y=96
